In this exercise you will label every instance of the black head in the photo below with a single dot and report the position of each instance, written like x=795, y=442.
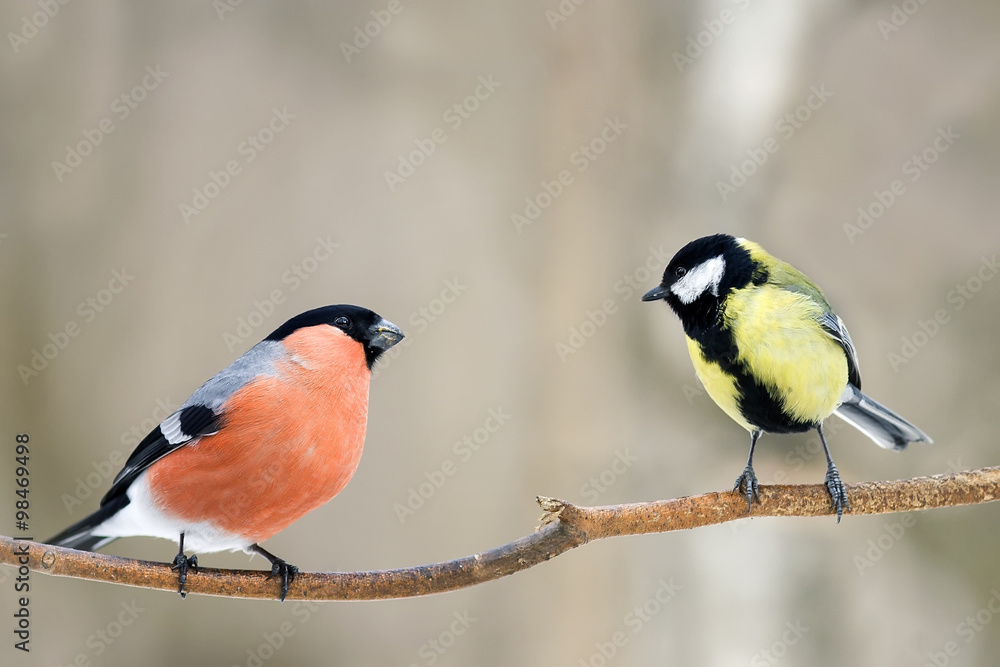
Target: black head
x=700, y=276
x=368, y=328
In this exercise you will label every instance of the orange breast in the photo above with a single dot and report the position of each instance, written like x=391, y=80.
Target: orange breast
x=288, y=445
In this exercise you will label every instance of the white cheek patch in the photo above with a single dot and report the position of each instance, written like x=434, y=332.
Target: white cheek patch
x=705, y=276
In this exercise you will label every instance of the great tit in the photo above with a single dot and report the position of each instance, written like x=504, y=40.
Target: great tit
x=770, y=351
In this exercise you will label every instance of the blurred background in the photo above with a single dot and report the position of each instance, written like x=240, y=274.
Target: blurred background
x=503, y=181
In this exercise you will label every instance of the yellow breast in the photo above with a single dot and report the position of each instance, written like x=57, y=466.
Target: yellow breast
x=781, y=345
x=720, y=386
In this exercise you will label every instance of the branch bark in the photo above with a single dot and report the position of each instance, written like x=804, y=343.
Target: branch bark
x=564, y=526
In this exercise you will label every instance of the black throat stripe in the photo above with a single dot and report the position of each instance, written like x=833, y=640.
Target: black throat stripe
x=758, y=404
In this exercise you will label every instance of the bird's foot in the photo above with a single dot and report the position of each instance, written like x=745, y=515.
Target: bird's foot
x=182, y=564
x=279, y=568
x=838, y=494
x=747, y=483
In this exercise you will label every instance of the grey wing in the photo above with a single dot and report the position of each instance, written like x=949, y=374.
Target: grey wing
x=258, y=360
x=837, y=330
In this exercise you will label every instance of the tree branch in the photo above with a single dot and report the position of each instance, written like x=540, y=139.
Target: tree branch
x=564, y=526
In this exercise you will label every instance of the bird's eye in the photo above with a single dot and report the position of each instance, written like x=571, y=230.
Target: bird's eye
x=341, y=322
x=680, y=271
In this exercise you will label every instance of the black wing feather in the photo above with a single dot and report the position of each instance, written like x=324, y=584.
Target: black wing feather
x=194, y=421
x=78, y=536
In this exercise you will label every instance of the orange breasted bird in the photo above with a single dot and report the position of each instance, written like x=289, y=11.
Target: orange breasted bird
x=276, y=434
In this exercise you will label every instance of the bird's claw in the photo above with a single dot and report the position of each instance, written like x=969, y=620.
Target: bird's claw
x=182, y=563
x=279, y=568
x=747, y=483
x=838, y=494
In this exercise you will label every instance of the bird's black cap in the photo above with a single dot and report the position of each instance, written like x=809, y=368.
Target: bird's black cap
x=720, y=263
x=370, y=329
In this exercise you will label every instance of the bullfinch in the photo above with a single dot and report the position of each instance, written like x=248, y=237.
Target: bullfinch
x=276, y=434
x=770, y=351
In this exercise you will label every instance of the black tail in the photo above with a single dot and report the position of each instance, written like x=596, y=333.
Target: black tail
x=79, y=536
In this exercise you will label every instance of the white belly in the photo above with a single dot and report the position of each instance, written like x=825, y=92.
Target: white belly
x=142, y=518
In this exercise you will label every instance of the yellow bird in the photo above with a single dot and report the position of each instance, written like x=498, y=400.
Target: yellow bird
x=770, y=350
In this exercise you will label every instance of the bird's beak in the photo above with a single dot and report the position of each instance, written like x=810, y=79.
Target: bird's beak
x=655, y=294
x=384, y=335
